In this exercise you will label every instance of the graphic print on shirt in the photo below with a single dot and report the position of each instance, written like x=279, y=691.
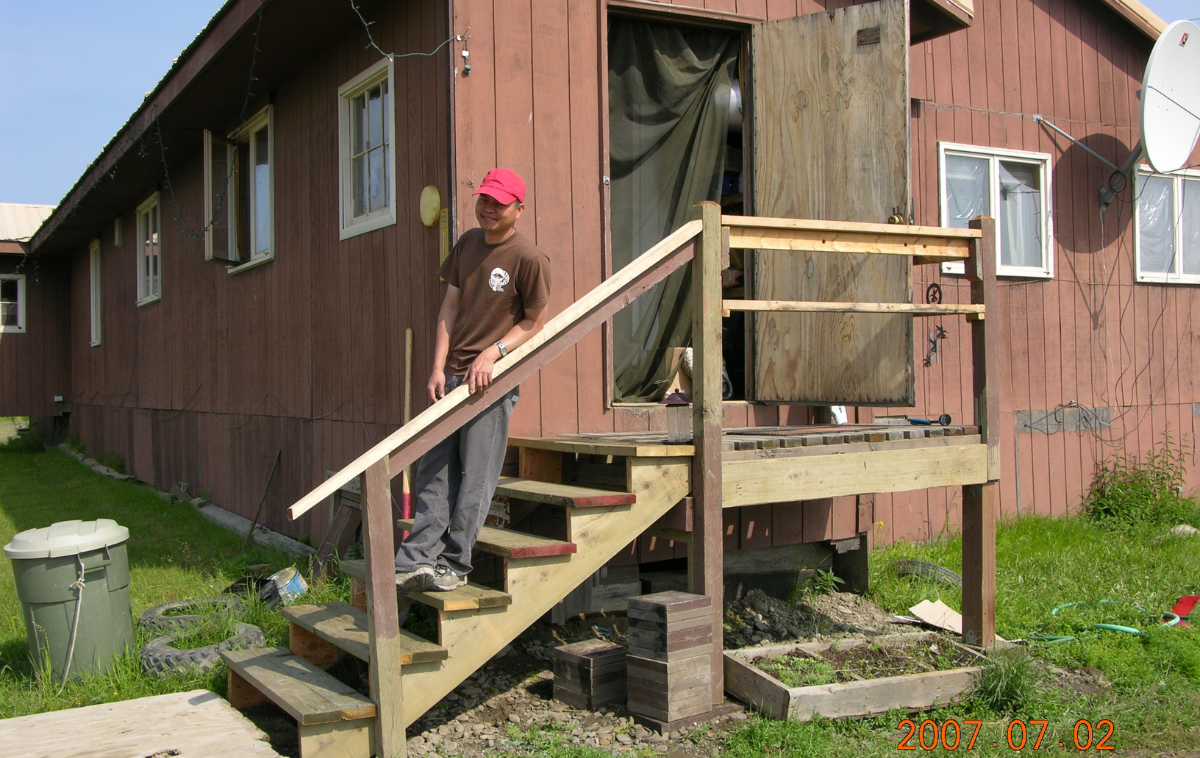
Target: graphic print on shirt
x=498, y=279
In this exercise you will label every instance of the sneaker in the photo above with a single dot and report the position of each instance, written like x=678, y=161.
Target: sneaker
x=446, y=579
x=419, y=579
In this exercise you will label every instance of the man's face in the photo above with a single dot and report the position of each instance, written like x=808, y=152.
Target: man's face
x=494, y=217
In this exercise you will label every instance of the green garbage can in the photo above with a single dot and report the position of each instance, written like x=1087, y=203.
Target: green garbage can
x=48, y=564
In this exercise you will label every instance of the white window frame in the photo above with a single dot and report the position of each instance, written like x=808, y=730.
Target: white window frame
x=264, y=119
x=20, y=327
x=1177, y=178
x=149, y=285
x=94, y=289
x=994, y=155
x=350, y=225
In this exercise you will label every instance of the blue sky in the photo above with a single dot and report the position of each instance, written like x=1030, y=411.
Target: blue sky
x=71, y=73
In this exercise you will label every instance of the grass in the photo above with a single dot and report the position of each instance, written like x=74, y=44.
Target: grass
x=173, y=554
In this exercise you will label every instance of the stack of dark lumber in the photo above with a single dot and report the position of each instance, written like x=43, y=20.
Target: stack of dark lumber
x=589, y=674
x=670, y=655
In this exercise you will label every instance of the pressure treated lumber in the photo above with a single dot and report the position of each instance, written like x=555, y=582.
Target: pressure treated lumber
x=553, y=493
x=799, y=306
x=345, y=627
x=431, y=426
x=707, y=554
x=468, y=597
x=195, y=724
x=772, y=480
x=307, y=693
x=510, y=544
x=980, y=503
x=388, y=648
x=537, y=584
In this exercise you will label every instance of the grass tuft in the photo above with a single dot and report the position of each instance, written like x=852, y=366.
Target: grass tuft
x=1007, y=682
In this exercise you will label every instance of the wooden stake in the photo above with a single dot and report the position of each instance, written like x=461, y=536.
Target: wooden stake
x=383, y=623
x=405, y=479
x=708, y=566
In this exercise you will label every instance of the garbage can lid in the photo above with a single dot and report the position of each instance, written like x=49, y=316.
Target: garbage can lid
x=66, y=538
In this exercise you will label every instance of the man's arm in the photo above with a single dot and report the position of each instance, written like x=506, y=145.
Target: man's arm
x=479, y=375
x=441, y=344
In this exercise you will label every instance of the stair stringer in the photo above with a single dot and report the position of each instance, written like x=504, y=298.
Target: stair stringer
x=537, y=584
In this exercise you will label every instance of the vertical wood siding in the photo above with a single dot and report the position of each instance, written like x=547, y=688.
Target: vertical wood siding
x=304, y=354
x=36, y=365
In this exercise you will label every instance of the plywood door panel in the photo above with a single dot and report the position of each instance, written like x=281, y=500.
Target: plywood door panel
x=832, y=142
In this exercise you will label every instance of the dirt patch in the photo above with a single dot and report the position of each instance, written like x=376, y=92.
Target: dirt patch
x=801, y=668
x=759, y=619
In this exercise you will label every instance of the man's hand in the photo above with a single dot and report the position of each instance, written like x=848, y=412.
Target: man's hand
x=437, y=385
x=479, y=375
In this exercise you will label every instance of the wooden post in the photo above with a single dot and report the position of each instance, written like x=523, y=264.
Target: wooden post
x=980, y=501
x=383, y=625
x=708, y=559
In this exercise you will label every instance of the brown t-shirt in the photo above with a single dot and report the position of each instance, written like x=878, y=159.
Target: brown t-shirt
x=497, y=283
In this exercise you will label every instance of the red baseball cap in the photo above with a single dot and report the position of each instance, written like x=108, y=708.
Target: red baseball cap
x=503, y=184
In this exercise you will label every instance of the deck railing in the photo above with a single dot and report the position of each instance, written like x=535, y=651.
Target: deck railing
x=706, y=243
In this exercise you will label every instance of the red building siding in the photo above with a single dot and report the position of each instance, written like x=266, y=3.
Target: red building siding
x=35, y=365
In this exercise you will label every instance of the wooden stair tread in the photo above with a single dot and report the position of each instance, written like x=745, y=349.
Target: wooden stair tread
x=345, y=627
x=510, y=544
x=307, y=693
x=562, y=494
x=467, y=598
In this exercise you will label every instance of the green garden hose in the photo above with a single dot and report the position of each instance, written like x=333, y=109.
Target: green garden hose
x=1058, y=639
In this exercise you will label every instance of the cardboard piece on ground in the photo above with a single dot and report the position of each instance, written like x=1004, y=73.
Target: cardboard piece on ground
x=942, y=616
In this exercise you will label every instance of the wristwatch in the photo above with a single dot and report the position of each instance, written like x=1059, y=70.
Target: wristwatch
x=503, y=350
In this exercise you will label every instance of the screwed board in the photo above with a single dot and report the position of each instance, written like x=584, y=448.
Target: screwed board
x=831, y=141
x=511, y=544
x=307, y=693
x=466, y=598
x=553, y=493
x=346, y=627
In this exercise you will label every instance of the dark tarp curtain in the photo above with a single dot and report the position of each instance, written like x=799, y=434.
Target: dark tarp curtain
x=668, y=89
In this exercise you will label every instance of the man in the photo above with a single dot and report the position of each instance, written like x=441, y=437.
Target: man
x=499, y=286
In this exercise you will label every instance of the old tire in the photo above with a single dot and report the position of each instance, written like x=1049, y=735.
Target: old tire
x=160, y=657
x=155, y=619
x=930, y=571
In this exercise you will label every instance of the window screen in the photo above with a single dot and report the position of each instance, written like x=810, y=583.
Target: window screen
x=1020, y=214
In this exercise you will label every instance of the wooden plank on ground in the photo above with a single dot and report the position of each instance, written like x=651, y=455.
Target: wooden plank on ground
x=195, y=724
x=307, y=693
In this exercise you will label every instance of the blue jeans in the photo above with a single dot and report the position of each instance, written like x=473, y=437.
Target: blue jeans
x=453, y=489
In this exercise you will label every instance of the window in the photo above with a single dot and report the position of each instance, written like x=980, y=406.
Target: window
x=94, y=257
x=118, y=233
x=366, y=122
x=239, y=193
x=1012, y=187
x=149, y=252
x=1167, y=227
x=12, y=303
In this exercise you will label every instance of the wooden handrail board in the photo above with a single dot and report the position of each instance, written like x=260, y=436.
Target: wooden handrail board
x=801, y=306
x=307, y=693
x=467, y=598
x=848, y=227
x=510, y=544
x=345, y=627
x=420, y=435
x=596, y=445
x=562, y=494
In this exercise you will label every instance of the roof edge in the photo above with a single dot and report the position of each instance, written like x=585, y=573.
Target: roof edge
x=1145, y=20
x=232, y=17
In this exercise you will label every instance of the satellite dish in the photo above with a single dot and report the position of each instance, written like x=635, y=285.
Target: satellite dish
x=1171, y=97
